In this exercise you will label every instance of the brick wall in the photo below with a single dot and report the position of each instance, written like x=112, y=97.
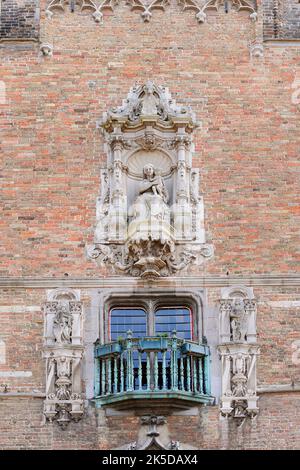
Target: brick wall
x=249, y=136
x=281, y=19
x=277, y=427
x=290, y=11
x=19, y=19
x=247, y=149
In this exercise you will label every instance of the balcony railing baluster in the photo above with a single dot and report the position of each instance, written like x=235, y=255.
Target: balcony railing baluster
x=164, y=371
x=121, y=373
x=130, y=372
x=140, y=373
x=188, y=373
x=115, y=388
x=195, y=386
x=148, y=372
x=103, y=378
x=155, y=371
x=181, y=374
x=109, y=376
x=174, y=364
x=97, y=377
x=206, y=375
x=200, y=374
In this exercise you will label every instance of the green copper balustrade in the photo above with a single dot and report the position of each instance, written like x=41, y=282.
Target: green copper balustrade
x=152, y=367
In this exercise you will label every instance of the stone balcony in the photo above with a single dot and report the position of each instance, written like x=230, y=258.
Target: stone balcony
x=166, y=371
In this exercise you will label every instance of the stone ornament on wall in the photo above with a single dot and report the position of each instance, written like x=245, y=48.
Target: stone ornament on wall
x=84, y=5
x=154, y=435
x=63, y=351
x=201, y=8
x=150, y=212
x=238, y=350
x=147, y=6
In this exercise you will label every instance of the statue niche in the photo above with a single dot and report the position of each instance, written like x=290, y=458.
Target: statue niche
x=150, y=215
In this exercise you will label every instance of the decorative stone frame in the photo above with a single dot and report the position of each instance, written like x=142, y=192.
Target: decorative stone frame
x=63, y=351
x=238, y=351
x=149, y=129
x=150, y=303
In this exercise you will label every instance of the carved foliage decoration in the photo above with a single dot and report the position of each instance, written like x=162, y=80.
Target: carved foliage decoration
x=238, y=350
x=197, y=5
x=147, y=6
x=83, y=5
x=63, y=352
x=150, y=439
x=150, y=214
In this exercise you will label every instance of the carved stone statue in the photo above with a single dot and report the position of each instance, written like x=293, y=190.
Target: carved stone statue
x=150, y=102
x=238, y=321
x=150, y=209
x=153, y=183
x=62, y=325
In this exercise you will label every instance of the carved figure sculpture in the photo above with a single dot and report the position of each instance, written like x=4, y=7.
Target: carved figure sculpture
x=63, y=366
x=150, y=208
x=238, y=321
x=62, y=325
x=153, y=183
x=150, y=102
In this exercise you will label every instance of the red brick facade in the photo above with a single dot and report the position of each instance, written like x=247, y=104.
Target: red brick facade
x=247, y=148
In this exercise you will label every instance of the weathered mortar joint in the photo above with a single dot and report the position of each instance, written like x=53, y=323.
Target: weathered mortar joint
x=238, y=352
x=63, y=351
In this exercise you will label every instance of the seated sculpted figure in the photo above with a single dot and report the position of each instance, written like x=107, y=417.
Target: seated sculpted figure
x=153, y=183
x=150, y=207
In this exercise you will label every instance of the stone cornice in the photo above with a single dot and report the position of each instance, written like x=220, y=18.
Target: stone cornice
x=288, y=280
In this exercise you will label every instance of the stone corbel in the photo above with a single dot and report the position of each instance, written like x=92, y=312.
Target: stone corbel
x=46, y=49
x=239, y=395
x=63, y=352
x=256, y=50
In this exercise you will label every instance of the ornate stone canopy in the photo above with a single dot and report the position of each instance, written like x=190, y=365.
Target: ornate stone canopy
x=150, y=217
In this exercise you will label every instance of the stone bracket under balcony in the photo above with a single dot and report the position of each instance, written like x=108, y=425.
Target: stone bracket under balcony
x=166, y=371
